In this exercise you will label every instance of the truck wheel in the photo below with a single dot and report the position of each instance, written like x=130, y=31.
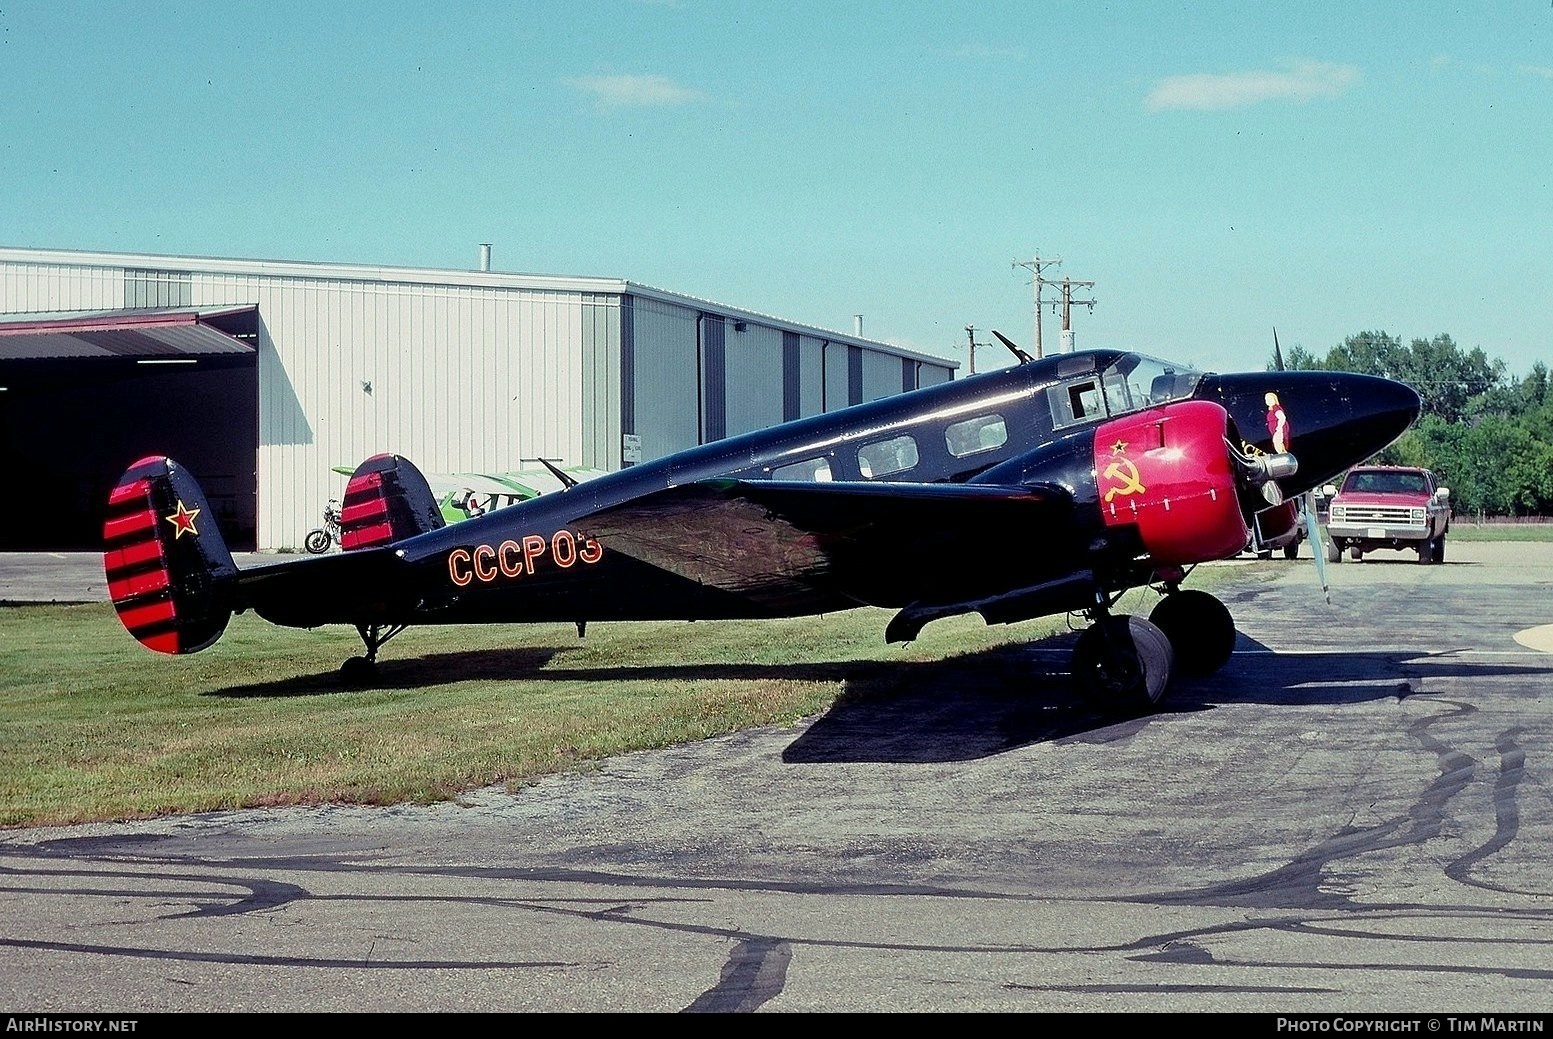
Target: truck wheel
x=1439, y=549
x=1426, y=550
x=1355, y=553
x=1291, y=550
x=1334, y=552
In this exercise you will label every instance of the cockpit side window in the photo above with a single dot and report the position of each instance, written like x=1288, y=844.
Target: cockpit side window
x=1076, y=401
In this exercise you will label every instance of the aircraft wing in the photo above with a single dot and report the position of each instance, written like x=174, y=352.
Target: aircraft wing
x=872, y=543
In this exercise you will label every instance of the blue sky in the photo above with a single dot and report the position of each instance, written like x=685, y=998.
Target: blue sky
x=1216, y=169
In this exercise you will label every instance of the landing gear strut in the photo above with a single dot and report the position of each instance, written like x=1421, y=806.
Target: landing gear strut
x=361, y=670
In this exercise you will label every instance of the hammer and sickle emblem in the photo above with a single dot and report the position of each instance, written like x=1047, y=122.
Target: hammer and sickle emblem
x=1126, y=473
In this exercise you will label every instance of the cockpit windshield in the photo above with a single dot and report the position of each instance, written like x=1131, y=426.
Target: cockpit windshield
x=1130, y=383
x=1134, y=382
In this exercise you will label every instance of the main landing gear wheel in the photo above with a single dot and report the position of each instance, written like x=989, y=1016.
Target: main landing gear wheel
x=1122, y=664
x=1200, y=630
x=359, y=671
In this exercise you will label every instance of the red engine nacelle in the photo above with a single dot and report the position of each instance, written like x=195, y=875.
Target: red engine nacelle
x=1168, y=472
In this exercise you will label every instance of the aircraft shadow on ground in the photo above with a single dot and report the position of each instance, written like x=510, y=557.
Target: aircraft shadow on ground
x=987, y=703
x=955, y=708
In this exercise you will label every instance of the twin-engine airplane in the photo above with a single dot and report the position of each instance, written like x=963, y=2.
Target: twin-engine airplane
x=1052, y=486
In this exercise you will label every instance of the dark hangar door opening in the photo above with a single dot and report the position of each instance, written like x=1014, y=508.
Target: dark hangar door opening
x=70, y=426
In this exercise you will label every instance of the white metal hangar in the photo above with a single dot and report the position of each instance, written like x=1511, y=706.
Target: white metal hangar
x=262, y=376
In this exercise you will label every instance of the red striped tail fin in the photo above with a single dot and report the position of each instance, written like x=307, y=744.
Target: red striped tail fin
x=170, y=575
x=387, y=500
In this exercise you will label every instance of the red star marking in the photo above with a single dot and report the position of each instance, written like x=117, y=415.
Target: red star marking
x=1118, y=447
x=183, y=521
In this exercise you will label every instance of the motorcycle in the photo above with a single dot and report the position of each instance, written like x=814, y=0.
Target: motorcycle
x=319, y=539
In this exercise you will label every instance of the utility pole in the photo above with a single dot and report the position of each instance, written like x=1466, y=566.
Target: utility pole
x=970, y=335
x=1067, y=304
x=1035, y=267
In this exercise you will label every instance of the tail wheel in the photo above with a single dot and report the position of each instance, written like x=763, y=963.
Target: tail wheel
x=1122, y=664
x=1200, y=629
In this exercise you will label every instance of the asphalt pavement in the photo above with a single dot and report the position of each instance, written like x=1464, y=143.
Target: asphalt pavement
x=1352, y=817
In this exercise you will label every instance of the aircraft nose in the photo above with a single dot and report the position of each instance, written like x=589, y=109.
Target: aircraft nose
x=1380, y=410
x=1338, y=419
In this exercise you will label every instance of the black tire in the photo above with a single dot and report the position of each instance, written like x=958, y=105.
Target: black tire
x=1439, y=549
x=1355, y=553
x=1426, y=551
x=1334, y=552
x=317, y=541
x=358, y=671
x=1122, y=665
x=1200, y=629
x=1291, y=550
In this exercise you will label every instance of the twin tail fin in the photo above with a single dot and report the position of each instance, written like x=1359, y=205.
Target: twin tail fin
x=170, y=575
x=387, y=500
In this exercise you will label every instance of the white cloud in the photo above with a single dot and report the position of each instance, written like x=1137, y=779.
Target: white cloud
x=1538, y=70
x=1300, y=81
x=636, y=91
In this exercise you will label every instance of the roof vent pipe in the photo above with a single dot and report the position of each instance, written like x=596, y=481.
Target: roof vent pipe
x=485, y=256
x=857, y=325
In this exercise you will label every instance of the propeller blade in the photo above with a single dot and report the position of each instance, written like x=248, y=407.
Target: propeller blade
x=1317, y=545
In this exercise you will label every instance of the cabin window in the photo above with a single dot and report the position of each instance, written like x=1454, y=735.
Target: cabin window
x=982, y=433
x=815, y=470
x=887, y=457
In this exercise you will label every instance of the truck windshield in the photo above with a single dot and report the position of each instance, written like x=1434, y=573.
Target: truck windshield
x=1386, y=483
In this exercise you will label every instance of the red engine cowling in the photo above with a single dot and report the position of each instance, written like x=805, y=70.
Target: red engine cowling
x=1168, y=472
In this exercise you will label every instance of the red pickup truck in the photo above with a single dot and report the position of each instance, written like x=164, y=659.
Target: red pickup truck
x=1388, y=507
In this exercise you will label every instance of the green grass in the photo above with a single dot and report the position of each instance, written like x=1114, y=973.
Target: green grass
x=97, y=728
x=1465, y=531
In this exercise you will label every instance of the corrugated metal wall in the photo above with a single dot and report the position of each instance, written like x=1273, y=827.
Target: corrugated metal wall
x=881, y=375
x=663, y=348
x=754, y=377
x=27, y=288
x=469, y=377
x=455, y=378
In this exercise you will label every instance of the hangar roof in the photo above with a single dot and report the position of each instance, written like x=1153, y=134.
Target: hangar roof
x=444, y=277
x=138, y=333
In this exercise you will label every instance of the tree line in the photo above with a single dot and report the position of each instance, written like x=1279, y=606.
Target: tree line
x=1488, y=436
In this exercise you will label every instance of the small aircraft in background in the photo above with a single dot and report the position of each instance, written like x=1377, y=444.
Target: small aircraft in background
x=462, y=496
x=1051, y=486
